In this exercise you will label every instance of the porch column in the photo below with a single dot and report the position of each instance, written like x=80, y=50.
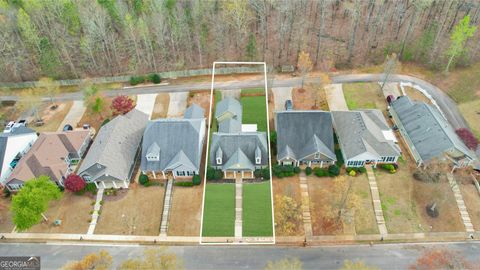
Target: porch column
x=154, y=175
x=125, y=183
x=252, y=174
x=103, y=184
x=224, y=174
x=163, y=174
x=234, y=174
x=243, y=175
x=375, y=164
x=321, y=164
x=96, y=184
x=114, y=184
x=309, y=164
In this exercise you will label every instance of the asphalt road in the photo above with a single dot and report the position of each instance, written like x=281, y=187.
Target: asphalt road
x=386, y=256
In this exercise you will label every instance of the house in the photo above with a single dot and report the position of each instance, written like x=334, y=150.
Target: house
x=53, y=154
x=14, y=145
x=235, y=149
x=365, y=138
x=428, y=134
x=174, y=146
x=112, y=156
x=305, y=138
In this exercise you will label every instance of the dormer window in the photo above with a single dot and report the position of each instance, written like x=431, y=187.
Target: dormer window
x=152, y=157
x=153, y=152
x=317, y=155
x=218, y=156
x=258, y=156
x=258, y=160
x=219, y=160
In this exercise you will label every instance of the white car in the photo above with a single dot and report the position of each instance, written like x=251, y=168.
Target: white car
x=9, y=127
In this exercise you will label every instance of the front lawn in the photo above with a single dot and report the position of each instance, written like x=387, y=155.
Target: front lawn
x=219, y=210
x=288, y=187
x=257, y=209
x=186, y=211
x=364, y=96
x=255, y=111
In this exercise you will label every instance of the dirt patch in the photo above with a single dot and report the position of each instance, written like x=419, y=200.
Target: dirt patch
x=52, y=118
x=94, y=119
x=311, y=97
x=416, y=95
x=6, y=224
x=290, y=187
x=160, y=108
x=186, y=211
x=317, y=189
x=201, y=98
x=74, y=212
x=138, y=213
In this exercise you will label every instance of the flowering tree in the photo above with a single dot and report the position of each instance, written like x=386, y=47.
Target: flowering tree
x=122, y=104
x=74, y=183
x=468, y=138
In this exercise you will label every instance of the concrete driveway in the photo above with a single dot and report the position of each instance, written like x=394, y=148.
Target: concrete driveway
x=145, y=103
x=335, y=97
x=74, y=115
x=280, y=95
x=177, y=105
x=391, y=89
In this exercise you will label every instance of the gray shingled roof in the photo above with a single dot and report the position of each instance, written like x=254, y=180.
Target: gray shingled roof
x=229, y=104
x=303, y=133
x=116, y=144
x=194, y=111
x=428, y=130
x=179, y=142
x=230, y=126
x=231, y=143
x=360, y=132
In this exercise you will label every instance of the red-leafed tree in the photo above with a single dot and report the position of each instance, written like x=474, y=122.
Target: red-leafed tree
x=441, y=259
x=468, y=138
x=74, y=183
x=122, y=104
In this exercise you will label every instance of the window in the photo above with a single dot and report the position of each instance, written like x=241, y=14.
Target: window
x=258, y=160
x=189, y=173
x=180, y=173
x=219, y=160
x=153, y=157
x=317, y=155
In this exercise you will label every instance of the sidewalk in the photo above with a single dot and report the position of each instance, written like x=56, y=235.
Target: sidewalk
x=307, y=220
x=96, y=209
x=377, y=204
x=461, y=204
x=166, y=208
x=74, y=115
x=238, y=209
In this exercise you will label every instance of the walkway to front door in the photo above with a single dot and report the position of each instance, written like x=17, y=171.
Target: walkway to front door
x=238, y=208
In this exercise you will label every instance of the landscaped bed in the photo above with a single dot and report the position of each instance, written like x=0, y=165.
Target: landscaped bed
x=219, y=210
x=73, y=211
x=289, y=187
x=257, y=209
x=139, y=212
x=254, y=111
x=364, y=96
x=186, y=211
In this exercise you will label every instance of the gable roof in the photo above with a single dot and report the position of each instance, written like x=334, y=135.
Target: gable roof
x=230, y=126
x=8, y=138
x=363, y=132
x=47, y=155
x=231, y=105
x=303, y=133
x=427, y=129
x=179, y=141
x=194, y=111
x=116, y=144
x=230, y=143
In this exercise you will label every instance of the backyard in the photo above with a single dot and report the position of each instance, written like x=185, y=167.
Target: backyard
x=52, y=118
x=416, y=95
x=254, y=111
x=310, y=97
x=95, y=119
x=364, y=96
x=136, y=211
x=201, y=98
x=289, y=187
x=219, y=210
x=471, y=112
x=72, y=210
x=186, y=211
x=257, y=209
x=160, y=108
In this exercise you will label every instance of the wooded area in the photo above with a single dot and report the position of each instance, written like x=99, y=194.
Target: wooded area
x=66, y=39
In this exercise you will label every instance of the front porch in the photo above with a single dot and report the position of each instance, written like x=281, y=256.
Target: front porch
x=243, y=174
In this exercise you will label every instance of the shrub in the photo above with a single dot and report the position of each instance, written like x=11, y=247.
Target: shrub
x=196, y=180
x=296, y=170
x=361, y=170
x=122, y=104
x=184, y=184
x=349, y=169
x=352, y=173
x=320, y=172
x=105, y=122
x=74, y=183
x=308, y=171
x=389, y=167
x=210, y=173
x=143, y=179
x=218, y=174
x=134, y=80
x=6, y=192
x=266, y=174
x=468, y=138
x=257, y=173
x=154, y=78
x=333, y=170
x=90, y=187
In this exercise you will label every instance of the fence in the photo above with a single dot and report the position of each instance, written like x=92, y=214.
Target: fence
x=163, y=75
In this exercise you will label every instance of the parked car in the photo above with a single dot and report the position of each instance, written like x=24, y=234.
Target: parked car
x=288, y=105
x=9, y=127
x=67, y=127
x=390, y=98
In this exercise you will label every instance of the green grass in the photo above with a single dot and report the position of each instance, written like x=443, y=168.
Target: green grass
x=257, y=210
x=363, y=96
x=465, y=84
x=255, y=111
x=251, y=91
x=219, y=210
